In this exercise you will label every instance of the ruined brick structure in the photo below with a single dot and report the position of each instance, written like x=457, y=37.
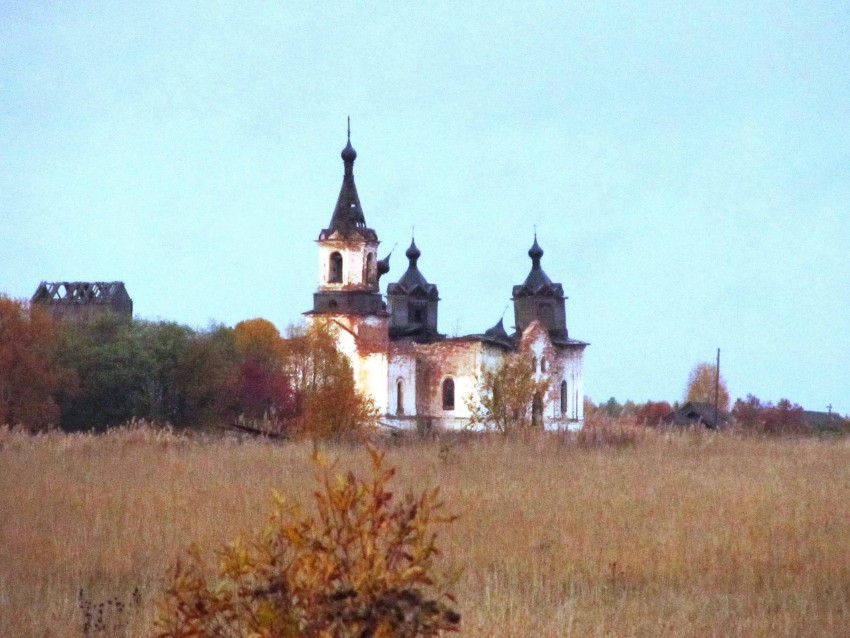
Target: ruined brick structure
x=418, y=377
x=83, y=300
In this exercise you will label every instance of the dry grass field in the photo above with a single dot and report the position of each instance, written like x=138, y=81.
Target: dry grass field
x=676, y=535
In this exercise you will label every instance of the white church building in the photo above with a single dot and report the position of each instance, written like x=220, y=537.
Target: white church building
x=417, y=377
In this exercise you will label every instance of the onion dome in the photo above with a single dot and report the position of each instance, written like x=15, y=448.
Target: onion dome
x=384, y=265
x=413, y=282
x=537, y=280
x=413, y=253
x=348, y=153
x=535, y=252
x=497, y=332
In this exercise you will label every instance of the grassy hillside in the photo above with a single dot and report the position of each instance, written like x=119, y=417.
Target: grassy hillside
x=675, y=535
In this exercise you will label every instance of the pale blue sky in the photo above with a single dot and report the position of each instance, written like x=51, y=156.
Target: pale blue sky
x=688, y=169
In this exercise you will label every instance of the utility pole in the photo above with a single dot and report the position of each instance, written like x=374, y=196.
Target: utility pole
x=716, y=386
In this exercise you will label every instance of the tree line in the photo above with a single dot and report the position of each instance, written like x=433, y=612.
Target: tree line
x=105, y=372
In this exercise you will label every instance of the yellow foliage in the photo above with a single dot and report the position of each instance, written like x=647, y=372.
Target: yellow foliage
x=701, y=386
x=362, y=566
x=260, y=340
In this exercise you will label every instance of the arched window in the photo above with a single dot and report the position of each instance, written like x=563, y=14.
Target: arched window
x=335, y=272
x=537, y=410
x=449, y=394
x=534, y=364
x=542, y=364
x=563, y=398
x=371, y=269
x=399, y=397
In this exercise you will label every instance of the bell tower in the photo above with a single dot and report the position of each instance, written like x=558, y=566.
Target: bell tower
x=539, y=299
x=348, y=263
x=348, y=300
x=413, y=302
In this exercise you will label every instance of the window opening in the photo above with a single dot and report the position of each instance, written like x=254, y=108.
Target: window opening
x=537, y=410
x=449, y=394
x=399, y=397
x=416, y=312
x=563, y=397
x=371, y=269
x=335, y=274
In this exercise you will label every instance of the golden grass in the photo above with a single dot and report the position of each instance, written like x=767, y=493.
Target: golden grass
x=673, y=535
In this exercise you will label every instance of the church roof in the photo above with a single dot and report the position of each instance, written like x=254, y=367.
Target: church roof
x=498, y=335
x=80, y=292
x=348, y=220
x=537, y=283
x=413, y=282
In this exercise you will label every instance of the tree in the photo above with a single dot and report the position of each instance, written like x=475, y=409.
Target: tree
x=29, y=373
x=258, y=340
x=783, y=418
x=261, y=387
x=109, y=359
x=651, y=412
x=205, y=376
x=164, y=344
x=506, y=394
x=748, y=413
x=701, y=385
x=611, y=408
x=328, y=404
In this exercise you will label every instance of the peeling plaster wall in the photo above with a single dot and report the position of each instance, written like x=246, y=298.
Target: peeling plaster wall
x=563, y=363
x=402, y=367
x=380, y=364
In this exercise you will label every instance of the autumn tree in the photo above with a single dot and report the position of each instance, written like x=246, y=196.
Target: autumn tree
x=753, y=415
x=506, y=394
x=701, y=386
x=29, y=375
x=262, y=389
x=748, y=413
x=651, y=412
x=329, y=405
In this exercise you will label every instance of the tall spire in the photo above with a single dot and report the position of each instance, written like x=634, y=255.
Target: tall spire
x=348, y=213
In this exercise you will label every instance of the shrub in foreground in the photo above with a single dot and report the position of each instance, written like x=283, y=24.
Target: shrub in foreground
x=363, y=565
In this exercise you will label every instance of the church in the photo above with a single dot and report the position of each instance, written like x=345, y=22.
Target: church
x=418, y=378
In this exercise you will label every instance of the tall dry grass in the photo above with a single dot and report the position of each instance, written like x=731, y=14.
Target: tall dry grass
x=652, y=535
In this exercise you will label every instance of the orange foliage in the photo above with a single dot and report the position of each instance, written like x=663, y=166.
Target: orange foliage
x=363, y=566
x=28, y=376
